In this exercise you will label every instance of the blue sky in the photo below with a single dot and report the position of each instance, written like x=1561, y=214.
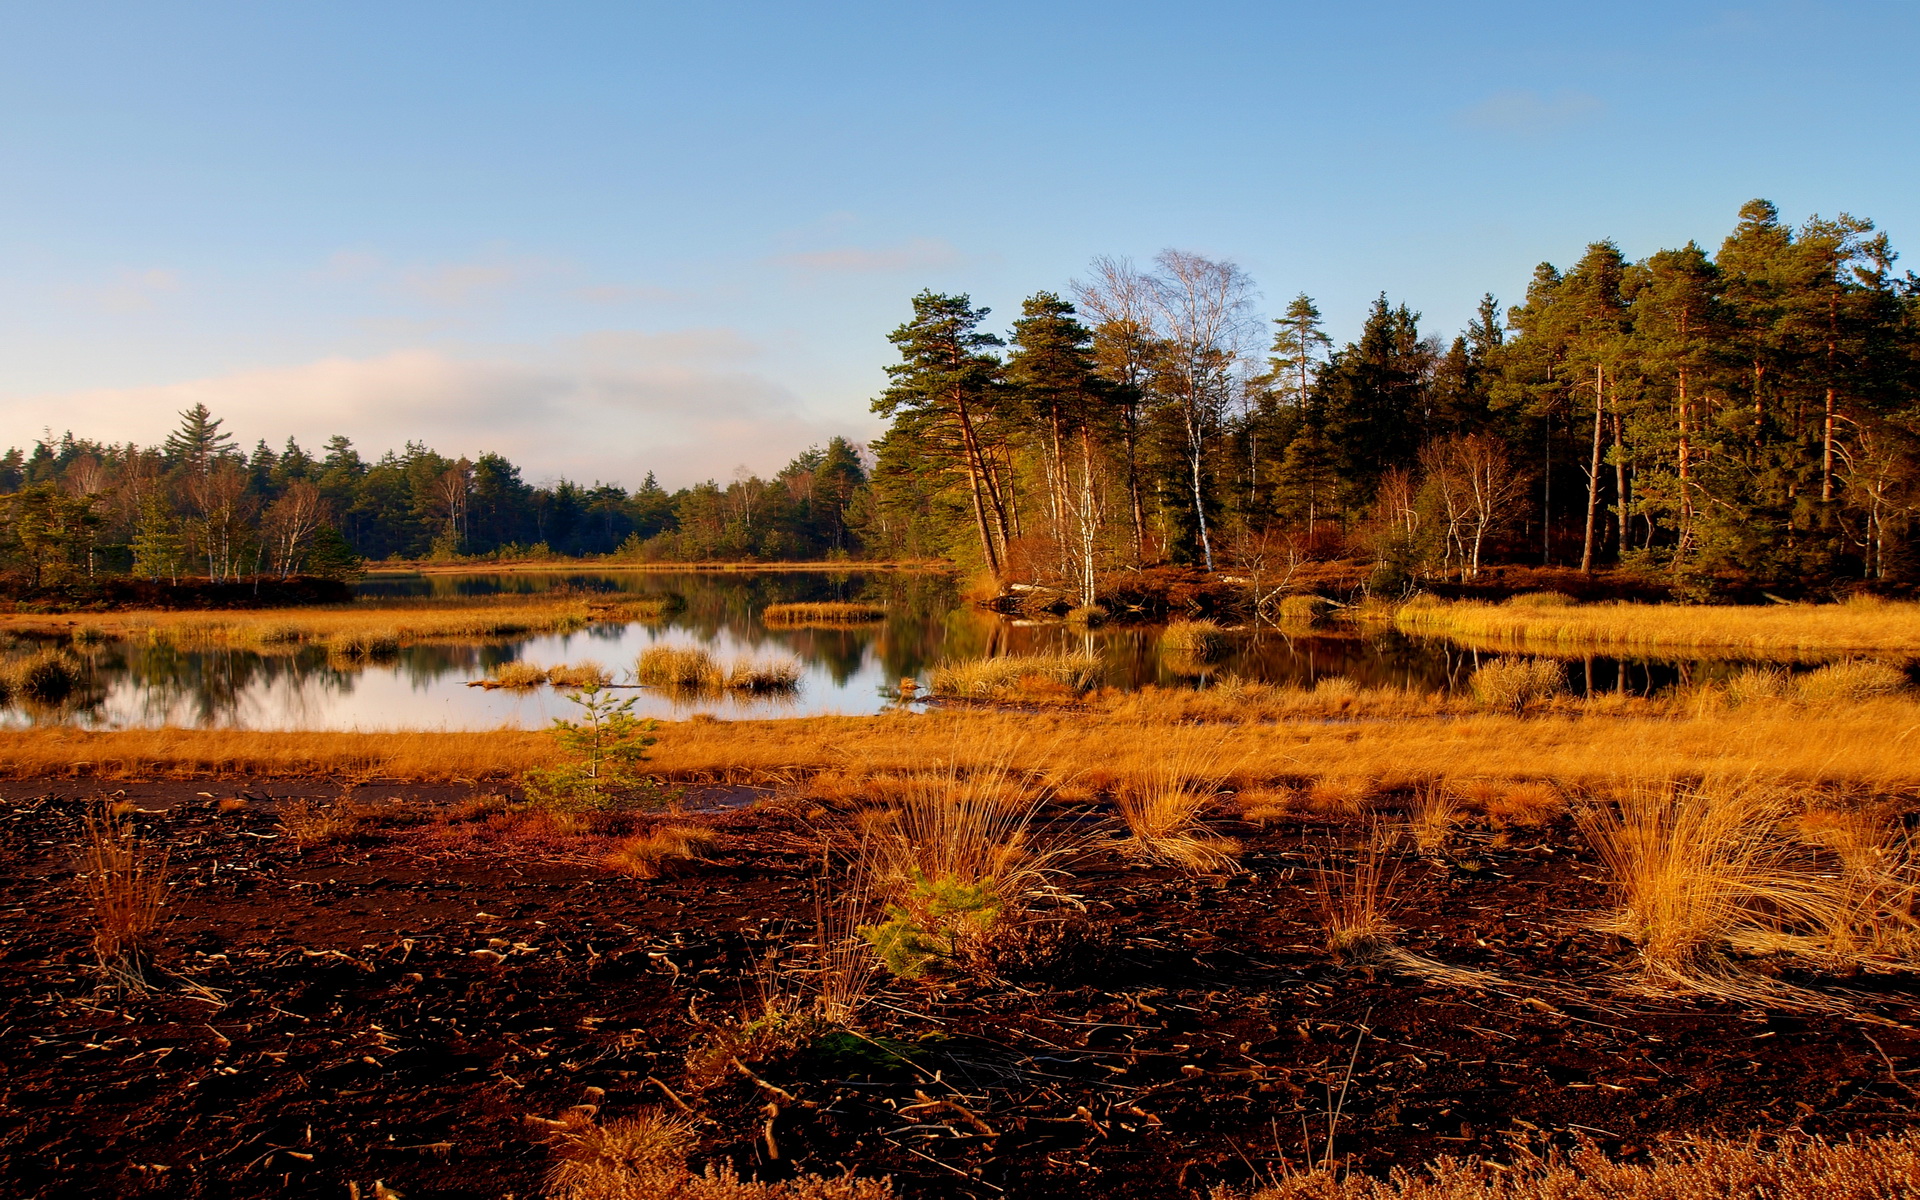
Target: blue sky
x=611, y=238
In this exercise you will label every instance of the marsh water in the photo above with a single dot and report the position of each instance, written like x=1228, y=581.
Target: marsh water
x=852, y=670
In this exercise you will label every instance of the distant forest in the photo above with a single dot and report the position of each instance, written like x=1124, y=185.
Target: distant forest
x=1751, y=414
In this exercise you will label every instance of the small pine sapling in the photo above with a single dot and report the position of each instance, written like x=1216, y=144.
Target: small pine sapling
x=607, y=744
x=931, y=921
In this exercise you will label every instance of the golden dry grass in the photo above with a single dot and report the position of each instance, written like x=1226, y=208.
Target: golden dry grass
x=694, y=669
x=1793, y=1167
x=1517, y=682
x=1768, y=630
x=822, y=613
x=1701, y=868
x=1165, y=809
x=1872, y=743
x=402, y=621
x=578, y=675
x=126, y=883
x=643, y=1157
x=1200, y=640
x=648, y=855
x=987, y=678
x=517, y=675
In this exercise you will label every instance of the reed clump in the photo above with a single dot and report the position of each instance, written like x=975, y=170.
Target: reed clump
x=1164, y=810
x=824, y=613
x=1849, y=682
x=1200, y=640
x=1305, y=609
x=1517, y=683
x=518, y=675
x=687, y=667
x=1701, y=868
x=650, y=855
x=1005, y=675
x=952, y=859
x=47, y=677
x=694, y=669
x=363, y=645
x=581, y=675
x=126, y=884
x=1356, y=902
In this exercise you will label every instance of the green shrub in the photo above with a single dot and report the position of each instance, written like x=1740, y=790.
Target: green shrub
x=931, y=921
x=608, y=745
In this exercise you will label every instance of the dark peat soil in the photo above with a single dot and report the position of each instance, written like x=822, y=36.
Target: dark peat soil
x=324, y=1019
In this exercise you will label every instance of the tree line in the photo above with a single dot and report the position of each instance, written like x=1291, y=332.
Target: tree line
x=198, y=506
x=1751, y=414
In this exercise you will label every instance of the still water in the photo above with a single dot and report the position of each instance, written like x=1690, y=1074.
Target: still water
x=853, y=670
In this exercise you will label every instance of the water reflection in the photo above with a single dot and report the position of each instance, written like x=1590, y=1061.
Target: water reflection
x=845, y=670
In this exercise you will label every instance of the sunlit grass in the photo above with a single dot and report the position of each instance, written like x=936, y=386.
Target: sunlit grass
x=1772, y=629
x=988, y=678
x=825, y=613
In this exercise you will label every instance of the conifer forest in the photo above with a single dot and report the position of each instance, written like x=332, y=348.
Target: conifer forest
x=1749, y=413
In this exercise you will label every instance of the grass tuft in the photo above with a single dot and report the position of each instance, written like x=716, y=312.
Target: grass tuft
x=1850, y=682
x=1199, y=640
x=1517, y=683
x=517, y=675
x=651, y=855
x=827, y=613
x=126, y=883
x=1007, y=675
x=1163, y=809
x=584, y=675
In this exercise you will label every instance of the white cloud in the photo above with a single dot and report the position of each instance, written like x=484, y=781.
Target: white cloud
x=467, y=282
x=1529, y=113
x=134, y=291
x=918, y=254
x=609, y=406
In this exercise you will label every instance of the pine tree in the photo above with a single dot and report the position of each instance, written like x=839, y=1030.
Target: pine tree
x=946, y=386
x=199, y=440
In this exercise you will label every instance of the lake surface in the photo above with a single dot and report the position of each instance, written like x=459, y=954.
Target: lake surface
x=854, y=670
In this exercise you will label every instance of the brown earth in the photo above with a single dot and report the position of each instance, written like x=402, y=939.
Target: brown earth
x=324, y=1020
